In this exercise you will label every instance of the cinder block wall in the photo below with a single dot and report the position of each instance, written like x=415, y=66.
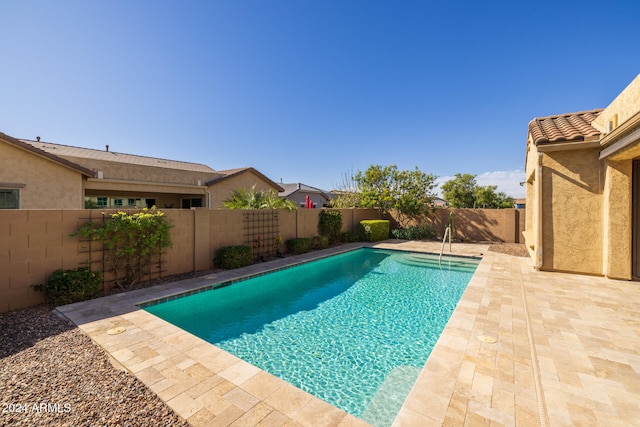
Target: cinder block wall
x=488, y=225
x=34, y=243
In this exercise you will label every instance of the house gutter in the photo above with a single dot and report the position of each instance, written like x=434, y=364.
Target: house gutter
x=538, y=265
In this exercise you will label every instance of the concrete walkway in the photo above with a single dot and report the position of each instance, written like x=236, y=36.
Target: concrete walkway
x=523, y=348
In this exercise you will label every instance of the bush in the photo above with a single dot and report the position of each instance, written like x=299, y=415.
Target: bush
x=234, y=257
x=131, y=242
x=298, y=245
x=69, y=286
x=320, y=242
x=330, y=225
x=351, y=236
x=375, y=229
x=417, y=232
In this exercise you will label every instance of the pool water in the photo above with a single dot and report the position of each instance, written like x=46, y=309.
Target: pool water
x=353, y=329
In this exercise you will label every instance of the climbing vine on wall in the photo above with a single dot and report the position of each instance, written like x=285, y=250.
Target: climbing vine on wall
x=130, y=242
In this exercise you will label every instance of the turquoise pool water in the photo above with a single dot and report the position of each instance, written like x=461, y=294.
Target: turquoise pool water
x=353, y=329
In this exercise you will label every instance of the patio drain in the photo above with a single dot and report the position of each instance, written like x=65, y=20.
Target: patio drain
x=117, y=330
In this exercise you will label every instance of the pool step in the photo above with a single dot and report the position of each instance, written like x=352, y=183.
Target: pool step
x=391, y=395
x=433, y=262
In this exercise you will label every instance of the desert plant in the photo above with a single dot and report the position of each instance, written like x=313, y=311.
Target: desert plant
x=298, y=245
x=230, y=257
x=69, y=286
x=330, y=225
x=251, y=198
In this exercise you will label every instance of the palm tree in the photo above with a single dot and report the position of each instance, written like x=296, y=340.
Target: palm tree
x=251, y=198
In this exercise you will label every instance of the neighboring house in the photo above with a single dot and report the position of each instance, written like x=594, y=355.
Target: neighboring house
x=520, y=203
x=583, y=189
x=298, y=192
x=43, y=175
x=439, y=202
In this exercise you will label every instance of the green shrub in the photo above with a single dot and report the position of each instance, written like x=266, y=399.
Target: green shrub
x=69, y=286
x=233, y=257
x=375, y=229
x=330, y=225
x=416, y=232
x=131, y=242
x=351, y=236
x=299, y=245
x=320, y=242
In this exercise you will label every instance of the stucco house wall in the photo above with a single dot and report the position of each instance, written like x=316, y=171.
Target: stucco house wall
x=44, y=184
x=141, y=173
x=221, y=189
x=581, y=170
x=67, y=177
x=572, y=211
x=617, y=219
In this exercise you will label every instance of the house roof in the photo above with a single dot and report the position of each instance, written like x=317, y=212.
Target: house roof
x=46, y=154
x=291, y=188
x=571, y=127
x=112, y=156
x=228, y=173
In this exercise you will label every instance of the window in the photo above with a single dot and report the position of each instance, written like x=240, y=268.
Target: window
x=103, y=202
x=9, y=198
x=192, y=203
x=117, y=202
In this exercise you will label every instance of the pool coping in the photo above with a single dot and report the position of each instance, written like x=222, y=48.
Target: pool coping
x=196, y=379
x=522, y=347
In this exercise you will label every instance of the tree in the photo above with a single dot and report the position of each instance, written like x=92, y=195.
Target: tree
x=347, y=193
x=459, y=192
x=486, y=197
x=251, y=198
x=386, y=188
x=463, y=192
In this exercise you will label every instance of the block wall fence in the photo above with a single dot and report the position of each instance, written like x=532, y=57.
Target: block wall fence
x=34, y=243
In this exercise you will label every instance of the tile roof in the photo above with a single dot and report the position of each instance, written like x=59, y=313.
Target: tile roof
x=112, y=156
x=564, y=127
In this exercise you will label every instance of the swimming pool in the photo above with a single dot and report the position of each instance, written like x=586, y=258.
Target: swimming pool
x=353, y=329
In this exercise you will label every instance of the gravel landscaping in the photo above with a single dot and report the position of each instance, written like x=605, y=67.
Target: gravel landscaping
x=51, y=374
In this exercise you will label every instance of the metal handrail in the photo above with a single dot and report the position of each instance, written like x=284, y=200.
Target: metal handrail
x=447, y=232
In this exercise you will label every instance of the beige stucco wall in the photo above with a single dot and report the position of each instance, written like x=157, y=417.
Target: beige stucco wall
x=129, y=172
x=617, y=220
x=532, y=212
x=222, y=189
x=572, y=213
x=625, y=105
x=47, y=185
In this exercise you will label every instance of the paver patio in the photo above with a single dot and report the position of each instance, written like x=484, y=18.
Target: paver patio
x=523, y=347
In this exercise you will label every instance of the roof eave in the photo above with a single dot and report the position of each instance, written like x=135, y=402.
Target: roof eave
x=48, y=156
x=582, y=144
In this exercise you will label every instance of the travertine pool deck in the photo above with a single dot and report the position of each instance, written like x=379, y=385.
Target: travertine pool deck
x=523, y=347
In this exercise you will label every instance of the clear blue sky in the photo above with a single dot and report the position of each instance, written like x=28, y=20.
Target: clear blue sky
x=308, y=91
